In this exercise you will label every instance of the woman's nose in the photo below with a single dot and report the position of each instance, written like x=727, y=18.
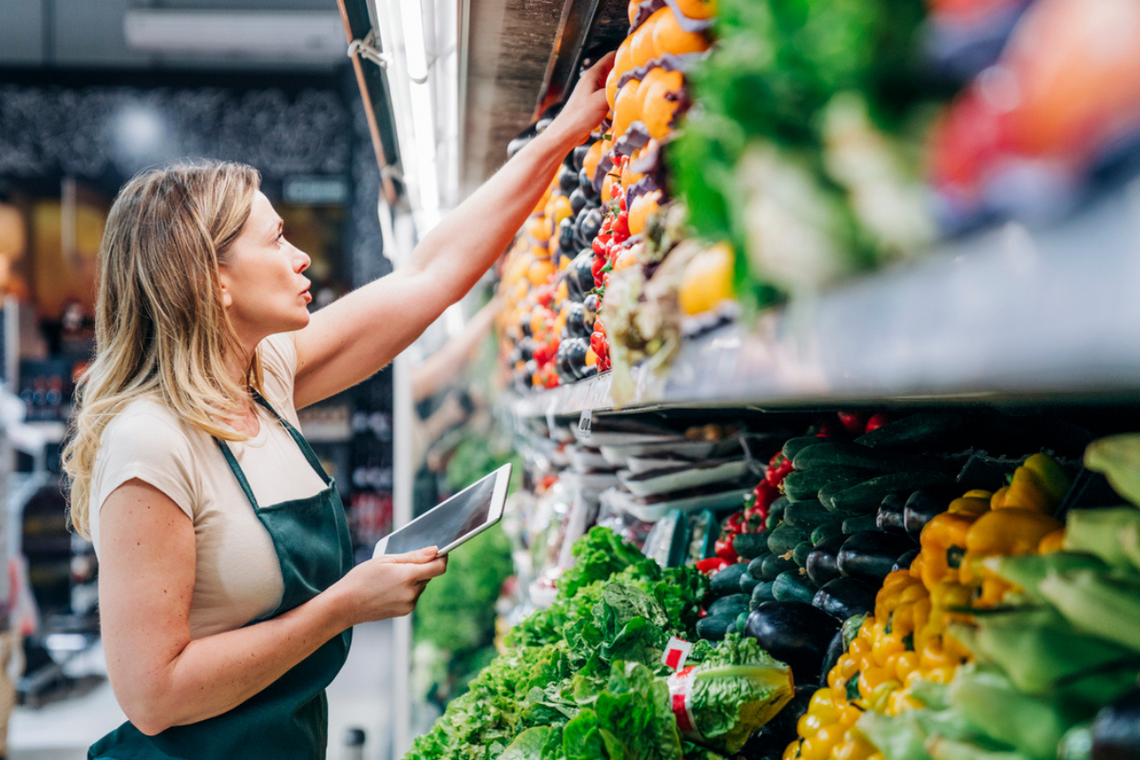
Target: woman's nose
x=302, y=261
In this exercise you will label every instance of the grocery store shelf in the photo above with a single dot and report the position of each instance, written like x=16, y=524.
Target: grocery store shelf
x=1009, y=316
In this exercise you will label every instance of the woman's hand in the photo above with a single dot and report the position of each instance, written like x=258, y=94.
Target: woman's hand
x=587, y=105
x=387, y=586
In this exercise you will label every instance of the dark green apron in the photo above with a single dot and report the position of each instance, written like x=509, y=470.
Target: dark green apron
x=289, y=719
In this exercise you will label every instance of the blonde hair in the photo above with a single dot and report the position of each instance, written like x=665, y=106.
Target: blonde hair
x=161, y=330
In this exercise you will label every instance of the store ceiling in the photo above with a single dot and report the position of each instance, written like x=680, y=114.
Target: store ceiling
x=86, y=34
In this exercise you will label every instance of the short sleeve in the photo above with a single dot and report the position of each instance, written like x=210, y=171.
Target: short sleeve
x=279, y=372
x=149, y=446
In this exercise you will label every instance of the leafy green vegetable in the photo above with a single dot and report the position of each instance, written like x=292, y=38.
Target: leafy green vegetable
x=539, y=743
x=597, y=555
x=1118, y=457
x=738, y=688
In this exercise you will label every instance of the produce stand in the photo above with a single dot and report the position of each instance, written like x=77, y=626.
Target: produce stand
x=992, y=361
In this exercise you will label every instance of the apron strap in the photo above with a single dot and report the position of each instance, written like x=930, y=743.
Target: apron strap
x=299, y=439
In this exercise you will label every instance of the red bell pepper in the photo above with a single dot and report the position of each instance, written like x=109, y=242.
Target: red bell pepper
x=710, y=566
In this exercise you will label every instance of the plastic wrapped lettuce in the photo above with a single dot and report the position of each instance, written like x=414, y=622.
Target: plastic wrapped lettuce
x=735, y=690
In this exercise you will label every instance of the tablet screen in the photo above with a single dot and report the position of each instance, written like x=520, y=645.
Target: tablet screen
x=456, y=517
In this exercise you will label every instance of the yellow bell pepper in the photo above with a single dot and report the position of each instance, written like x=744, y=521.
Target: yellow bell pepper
x=943, y=541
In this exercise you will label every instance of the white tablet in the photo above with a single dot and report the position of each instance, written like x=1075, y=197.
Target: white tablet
x=455, y=521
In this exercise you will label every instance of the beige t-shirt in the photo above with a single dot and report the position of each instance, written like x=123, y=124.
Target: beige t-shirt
x=237, y=577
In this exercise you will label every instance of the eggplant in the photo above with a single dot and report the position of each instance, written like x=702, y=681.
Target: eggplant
x=870, y=555
x=580, y=279
x=578, y=155
x=891, y=514
x=793, y=632
x=770, y=740
x=835, y=650
x=567, y=180
x=823, y=562
x=566, y=236
x=577, y=201
x=589, y=225
x=576, y=326
x=903, y=562
x=844, y=597
x=586, y=184
x=1116, y=729
x=922, y=505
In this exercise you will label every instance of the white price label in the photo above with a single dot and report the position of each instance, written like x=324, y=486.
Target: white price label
x=585, y=422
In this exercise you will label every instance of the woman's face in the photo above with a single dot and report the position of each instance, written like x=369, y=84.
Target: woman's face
x=263, y=289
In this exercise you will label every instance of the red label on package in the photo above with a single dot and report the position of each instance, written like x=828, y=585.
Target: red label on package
x=676, y=652
x=680, y=693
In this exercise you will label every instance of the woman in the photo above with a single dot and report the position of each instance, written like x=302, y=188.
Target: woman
x=226, y=586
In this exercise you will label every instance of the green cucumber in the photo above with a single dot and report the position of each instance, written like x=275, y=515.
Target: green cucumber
x=747, y=583
x=727, y=581
x=794, y=446
x=859, y=524
x=714, y=628
x=794, y=587
x=755, y=564
x=801, y=552
x=762, y=593
x=804, y=486
x=750, y=545
x=772, y=521
x=852, y=455
x=774, y=565
x=733, y=603
x=825, y=531
x=784, y=538
x=925, y=430
x=741, y=621
x=805, y=515
x=868, y=495
x=778, y=506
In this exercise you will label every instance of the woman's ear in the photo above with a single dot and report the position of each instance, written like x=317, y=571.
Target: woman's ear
x=227, y=297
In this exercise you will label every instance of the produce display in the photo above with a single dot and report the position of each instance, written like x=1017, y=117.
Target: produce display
x=895, y=587
x=828, y=139
x=835, y=137
x=586, y=678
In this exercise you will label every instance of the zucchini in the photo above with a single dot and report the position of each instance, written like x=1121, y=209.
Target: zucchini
x=825, y=531
x=733, y=603
x=843, y=597
x=852, y=455
x=868, y=495
x=802, y=486
x=784, y=538
x=870, y=556
x=750, y=545
x=792, y=586
x=714, y=628
x=853, y=525
x=805, y=515
x=794, y=446
x=774, y=564
x=762, y=593
x=727, y=581
x=823, y=562
x=747, y=583
x=925, y=430
x=801, y=552
x=755, y=564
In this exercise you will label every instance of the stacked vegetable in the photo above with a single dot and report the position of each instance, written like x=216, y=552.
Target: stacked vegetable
x=585, y=678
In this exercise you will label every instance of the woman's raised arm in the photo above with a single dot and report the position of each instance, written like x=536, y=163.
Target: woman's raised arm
x=355, y=337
